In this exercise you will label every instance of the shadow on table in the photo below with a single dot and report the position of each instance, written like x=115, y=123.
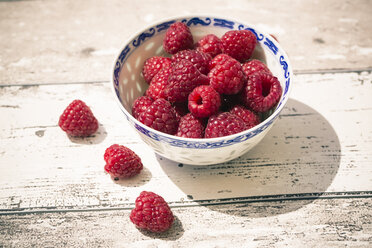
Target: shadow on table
x=95, y=138
x=175, y=232
x=298, y=156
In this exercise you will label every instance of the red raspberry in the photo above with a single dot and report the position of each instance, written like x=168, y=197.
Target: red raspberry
x=262, y=92
x=178, y=37
x=204, y=101
x=224, y=124
x=219, y=60
x=253, y=66
x=78, y=120
x=161, y=116
x=140, y=105
x=159, y=81
x=122, y=162
x=250, y=118
x=210, y=44
x=227, y=77
x=153, y=65
x=199, y=59
x=183, y=79
x=190, y=127
x=151, y=213
x=239, y=44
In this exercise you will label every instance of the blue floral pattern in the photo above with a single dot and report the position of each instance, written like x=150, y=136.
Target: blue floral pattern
x=205, y=21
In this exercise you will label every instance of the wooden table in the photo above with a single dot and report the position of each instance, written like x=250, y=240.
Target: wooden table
x=307, y=184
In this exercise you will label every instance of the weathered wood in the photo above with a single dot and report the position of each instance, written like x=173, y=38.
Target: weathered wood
x=319, y=223
x=77, y=41
x=321, y=143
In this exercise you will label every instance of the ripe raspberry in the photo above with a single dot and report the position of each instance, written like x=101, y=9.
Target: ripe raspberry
x=204, y=101
x=227, y=77
x=210, y=44
x=151, y=213
x=250, y=118
x=253, y=66
x=190, y=127
x=239, y=44
x=219, y=60
x=140, y=105
x=224, y=124
x=159, y=81
x=183, y=79
x=153, y=65
x=78, y=120
x=199, y=59
x=178, y=37
x=262, y=92
x=122, y=162
x=161, y=116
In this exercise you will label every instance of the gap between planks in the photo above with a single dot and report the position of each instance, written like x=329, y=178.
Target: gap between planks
x=296, y=72
x=196, y=203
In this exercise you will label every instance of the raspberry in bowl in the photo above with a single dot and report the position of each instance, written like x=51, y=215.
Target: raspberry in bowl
x=201, y=90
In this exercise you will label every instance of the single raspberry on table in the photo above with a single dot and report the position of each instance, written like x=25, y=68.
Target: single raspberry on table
x=158, y=83
x=190, y=127
x=239, y=44
x=199, y=59
x=224, y=124
x=253, y=66
x=262, y=92
x=250, y=118
x=78, y=120
x=140, y=105
x=151, y=213
x=161, y=116
x=204, y=101
x=227, y=76
x=178, y=37
x=210, y=44
x=122, y=162
x=153, y=65
x=183, y=79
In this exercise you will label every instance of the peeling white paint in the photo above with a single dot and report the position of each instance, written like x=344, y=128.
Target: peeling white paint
x=362, y=50
x=21, y=62
x=348, y=20
x=149, y=17
x=331, y=56
x=103, y=52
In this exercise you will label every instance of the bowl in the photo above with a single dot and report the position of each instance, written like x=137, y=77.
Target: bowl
x=128, y=84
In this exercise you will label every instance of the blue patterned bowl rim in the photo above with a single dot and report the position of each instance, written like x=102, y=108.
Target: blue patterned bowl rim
x=204, y=20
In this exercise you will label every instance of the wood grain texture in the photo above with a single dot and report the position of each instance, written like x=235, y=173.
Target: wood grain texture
x=321, y=223
x=322, y=142
x=77, y=41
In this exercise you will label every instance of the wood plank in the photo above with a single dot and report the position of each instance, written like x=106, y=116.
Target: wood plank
x=77, y=41
x=319, y=223
x=321, y=143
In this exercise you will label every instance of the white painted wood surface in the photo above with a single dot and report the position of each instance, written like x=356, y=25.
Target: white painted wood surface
x=307, y=184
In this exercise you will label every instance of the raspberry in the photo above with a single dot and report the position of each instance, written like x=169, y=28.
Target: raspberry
x=159, y=81
x=210, y=44
x=253, y=66
x=161, y=116
x=204, y=101
x=250, y=118
x=227, y=77
x=153, y=65
x=178, y=37
x=151, y=213
x=239, y=44
x=140, y=105
x=122, y=162
x=78, y=120
x=190, y=127
x=183, y=79
x=224, y=124
x=199, y=59
x=262, y=92
x=218, y=60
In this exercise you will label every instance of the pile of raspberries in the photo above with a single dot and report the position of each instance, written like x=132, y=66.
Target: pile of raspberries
x=206, y=90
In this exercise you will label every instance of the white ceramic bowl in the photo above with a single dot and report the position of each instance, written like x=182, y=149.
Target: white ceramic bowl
x=128, y=84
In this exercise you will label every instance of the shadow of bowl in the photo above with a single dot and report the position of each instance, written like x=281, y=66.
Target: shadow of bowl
x=299, y=156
